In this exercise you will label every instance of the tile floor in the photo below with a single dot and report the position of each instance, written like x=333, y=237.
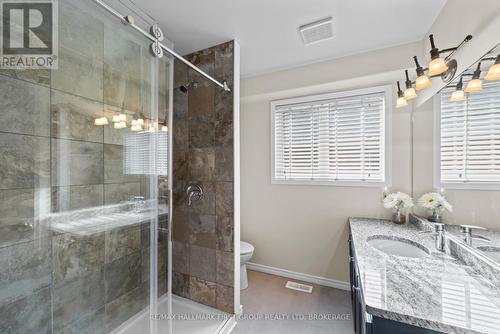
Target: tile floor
x=267, y=294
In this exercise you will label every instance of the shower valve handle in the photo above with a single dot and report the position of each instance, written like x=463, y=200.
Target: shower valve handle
x=194, y=192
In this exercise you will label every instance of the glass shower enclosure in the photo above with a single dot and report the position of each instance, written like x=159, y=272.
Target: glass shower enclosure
x=85, y=182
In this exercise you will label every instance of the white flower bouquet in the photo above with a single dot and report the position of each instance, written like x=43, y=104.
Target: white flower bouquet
x=398, y=202
x=436, y=203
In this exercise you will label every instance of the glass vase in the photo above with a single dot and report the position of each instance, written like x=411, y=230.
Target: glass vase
x=398, y=217
x=436, y=216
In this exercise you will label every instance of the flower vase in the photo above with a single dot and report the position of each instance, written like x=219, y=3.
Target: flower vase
x=398, y=217
x=436, y=217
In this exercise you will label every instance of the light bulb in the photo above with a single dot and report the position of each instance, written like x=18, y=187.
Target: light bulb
x=120, y=125
x=410, y=94
x=423, y=82
x=401, y=102
x=458, y=95
x=101, y=121
x=474, y=86
x=164, y=128
x=122, y=117
x=437, y=67
x=493, y=73
x=136, y=128
x=116, y=118
x=140, y=121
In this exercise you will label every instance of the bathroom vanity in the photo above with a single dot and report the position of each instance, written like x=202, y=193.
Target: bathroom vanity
x=401, y=283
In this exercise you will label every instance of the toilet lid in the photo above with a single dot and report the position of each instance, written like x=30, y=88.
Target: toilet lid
x=246, y=248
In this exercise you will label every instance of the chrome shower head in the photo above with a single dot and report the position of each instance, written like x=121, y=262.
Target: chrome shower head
x=184, y=88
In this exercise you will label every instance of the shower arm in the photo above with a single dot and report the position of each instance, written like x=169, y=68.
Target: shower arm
x=130, y=22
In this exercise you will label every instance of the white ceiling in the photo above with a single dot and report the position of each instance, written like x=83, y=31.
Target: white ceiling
x=267, y=30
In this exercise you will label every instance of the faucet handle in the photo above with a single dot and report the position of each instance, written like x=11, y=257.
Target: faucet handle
x=468, y=228
x=439, y=227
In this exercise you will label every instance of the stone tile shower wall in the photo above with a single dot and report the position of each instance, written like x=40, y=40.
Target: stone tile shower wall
x=203, y=253
x=53, y=159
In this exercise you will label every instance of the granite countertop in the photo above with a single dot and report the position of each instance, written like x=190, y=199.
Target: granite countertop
x=437, y=292
x=94, y=220
x=493, y=244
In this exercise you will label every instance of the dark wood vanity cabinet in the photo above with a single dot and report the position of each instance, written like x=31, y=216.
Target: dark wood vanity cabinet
x=365, y=323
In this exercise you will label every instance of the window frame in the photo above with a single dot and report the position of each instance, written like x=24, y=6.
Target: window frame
x=437, y=158
x=387, y=90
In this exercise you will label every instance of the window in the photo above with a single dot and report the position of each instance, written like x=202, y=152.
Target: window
x=469, y=139
x=337, y=139
x=139, y=150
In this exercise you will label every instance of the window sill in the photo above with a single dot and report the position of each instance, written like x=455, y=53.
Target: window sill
x=471, y=186
x=353, y=184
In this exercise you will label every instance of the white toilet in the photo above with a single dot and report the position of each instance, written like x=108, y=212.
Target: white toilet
x=246, y=253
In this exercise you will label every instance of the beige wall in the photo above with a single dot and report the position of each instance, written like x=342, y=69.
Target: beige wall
x=460, y=18
x=304, y=228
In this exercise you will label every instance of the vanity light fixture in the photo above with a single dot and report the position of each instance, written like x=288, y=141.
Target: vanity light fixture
x=119, y=118
x=409, y=93
x=437, y=66
x=100, y=121
x=445, y=67
x=164, y=127
x=135, y=125
x=458, y=94
x=422, y=81
x=120, y=125
x=494, y=71
x=401, y=102
x=475, y=85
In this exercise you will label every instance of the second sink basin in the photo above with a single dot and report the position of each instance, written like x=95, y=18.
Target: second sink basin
x=398, y=246
x=493, y=252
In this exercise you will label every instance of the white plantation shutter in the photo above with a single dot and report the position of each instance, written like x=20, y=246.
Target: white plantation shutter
x=330, y=139
x=470, y=137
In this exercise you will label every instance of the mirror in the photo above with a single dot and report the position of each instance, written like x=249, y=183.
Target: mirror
x=456, y=152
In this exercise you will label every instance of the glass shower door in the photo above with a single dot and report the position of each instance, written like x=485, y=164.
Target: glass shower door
x=83, y=181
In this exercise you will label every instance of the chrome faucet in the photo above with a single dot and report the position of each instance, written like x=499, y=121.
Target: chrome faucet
x=194, y=192
x=138, y=202
x=439, y=232
x=467, y=233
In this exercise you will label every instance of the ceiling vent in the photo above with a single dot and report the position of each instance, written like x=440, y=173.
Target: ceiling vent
x=317, y=31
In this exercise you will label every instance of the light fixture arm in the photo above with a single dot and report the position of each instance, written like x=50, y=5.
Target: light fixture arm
x=477, y=72
x=496, y=59
x=455, y=49
x=400, y=92
x=420, y=70
x=408, y=82
x=460, y=83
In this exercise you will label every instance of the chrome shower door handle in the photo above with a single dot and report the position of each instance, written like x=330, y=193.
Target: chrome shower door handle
x=194, y=192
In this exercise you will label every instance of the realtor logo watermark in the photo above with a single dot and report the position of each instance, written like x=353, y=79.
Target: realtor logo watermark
x=29, y=34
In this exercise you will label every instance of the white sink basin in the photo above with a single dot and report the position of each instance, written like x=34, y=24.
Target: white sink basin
x=493, y=252
x=398, y=246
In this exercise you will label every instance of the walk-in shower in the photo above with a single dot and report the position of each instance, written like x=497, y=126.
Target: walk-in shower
x=96, y=234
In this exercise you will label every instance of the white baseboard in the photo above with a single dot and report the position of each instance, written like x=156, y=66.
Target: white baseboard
x=323, y=281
